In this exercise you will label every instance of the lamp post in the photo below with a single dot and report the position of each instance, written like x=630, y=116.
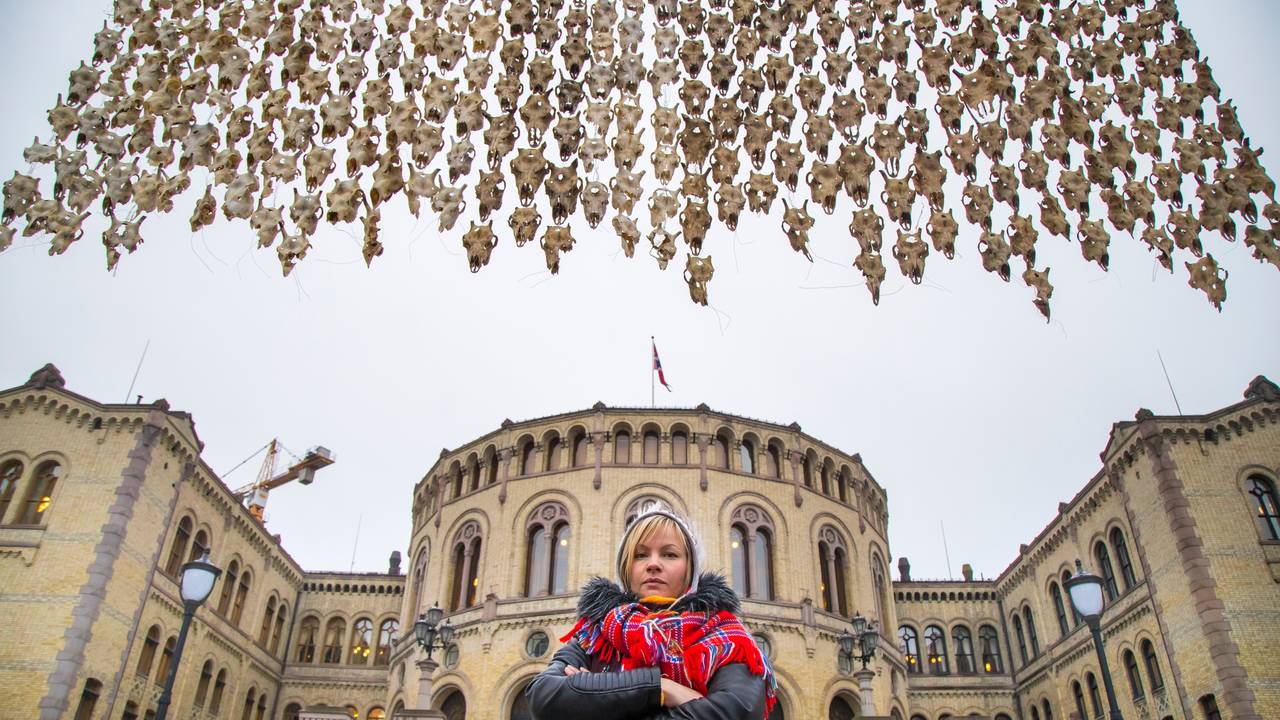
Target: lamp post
x=198, y=578
x=1085, y=591
x=865, y=637
x=431, y=635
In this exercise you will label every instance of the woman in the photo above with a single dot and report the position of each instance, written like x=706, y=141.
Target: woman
x=666, y=644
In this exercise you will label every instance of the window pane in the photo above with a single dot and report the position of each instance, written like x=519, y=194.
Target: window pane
x=762, y=566
x=537, y=564
x=580, y=450
x=553, y=454
x=622, y=448
x=738, y=555
x=651, y=448
x=747, y=457
x=772, y=463
x=679, y=448
x=41, y=494
x=473, y=585
x=560, y=567
x=824, y=564
x=9, y=476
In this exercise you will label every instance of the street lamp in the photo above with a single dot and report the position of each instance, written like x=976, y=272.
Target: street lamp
x=865, y=638
x=428, y=629
x=1085, y=591
x=198, y=578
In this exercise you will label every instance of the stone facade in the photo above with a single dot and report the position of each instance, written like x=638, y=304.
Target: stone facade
x=509, y=525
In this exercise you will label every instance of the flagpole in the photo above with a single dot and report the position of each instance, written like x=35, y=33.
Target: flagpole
x=652, y=344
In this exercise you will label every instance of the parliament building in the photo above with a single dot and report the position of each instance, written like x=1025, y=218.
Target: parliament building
x=101, y=505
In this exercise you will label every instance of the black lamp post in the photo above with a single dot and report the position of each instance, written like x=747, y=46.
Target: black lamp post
x=864, y=636
x=428, y=630
x=1085, y=591
x=198, y=578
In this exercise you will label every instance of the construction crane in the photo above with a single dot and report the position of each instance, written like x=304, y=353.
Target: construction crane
x=304, y=471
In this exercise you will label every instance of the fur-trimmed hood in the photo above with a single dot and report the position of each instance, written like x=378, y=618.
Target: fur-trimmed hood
x=713, y=594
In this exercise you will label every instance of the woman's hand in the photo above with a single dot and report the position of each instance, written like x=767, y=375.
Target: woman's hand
x=674, y=694
x=575, y=671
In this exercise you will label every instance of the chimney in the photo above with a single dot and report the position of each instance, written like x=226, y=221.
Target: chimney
x=395, y=563
x=904, y=569
x=967, y=571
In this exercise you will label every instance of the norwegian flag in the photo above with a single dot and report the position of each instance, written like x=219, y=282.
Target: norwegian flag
x=657, y=365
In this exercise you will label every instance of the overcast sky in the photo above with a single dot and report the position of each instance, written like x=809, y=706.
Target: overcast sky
x=965, y=404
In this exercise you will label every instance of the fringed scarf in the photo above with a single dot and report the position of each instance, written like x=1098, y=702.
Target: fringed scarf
x=688, y=641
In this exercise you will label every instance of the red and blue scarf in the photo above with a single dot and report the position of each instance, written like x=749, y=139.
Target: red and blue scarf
x=688, y=647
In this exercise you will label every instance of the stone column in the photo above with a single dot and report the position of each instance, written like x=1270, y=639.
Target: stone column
x=426, y=667
x=864, y=677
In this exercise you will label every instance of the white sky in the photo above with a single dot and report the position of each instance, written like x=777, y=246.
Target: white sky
x=964, y=403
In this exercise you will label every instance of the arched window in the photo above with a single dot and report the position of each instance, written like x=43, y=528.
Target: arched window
x=130, y=711
x=278, y=632
x=720, y=456
x=262, y=706
x=738, y=560
x=747, y=457
x=1108, y=573
x=247, y=712
x=473, y=473
x=1048, y=709
x=773, y=462
x=910, y=645
x=547, y=555
x=1153, y=666
x=148, y=655
x=219, y=686
x=1056, y=595
x=466, y=567
x=579, y=443
x=88, y=699
x=642, y=505
x=881, y=588
x=842, y=486
x=242, y=596
x=40, y=496
x=1075, y=616
x=202, y=687
x=679, y=447
x=490, y=466
x=840, y=709
x=1095, y=698
x=526, y=458
x=650, y=447
x=935, y=645
x=166, y=660
x=1122, y=557
x=806, y=469
x=964, y=649
x=178, y=550
x=454, y=707
x=333, y=633
x=1078, y=694
x=200, y=547
x=10, y=473
x=1131, y=672
x=1035, y=714
x=755, y=538
x=824, y=476
x=989, y=641
x=377, y=713
x=292, y=711
x=1031, y=631
x=228, y=587
x=834, y=561
x=361, y=641
x=1265, y=509
x=553, y=453
x=268, y=620
x=520, y=709
x=1209, y=706
x=307, y=634
x=388, y=634
x=419, y=574
x=1022, y=639
x=622, y=448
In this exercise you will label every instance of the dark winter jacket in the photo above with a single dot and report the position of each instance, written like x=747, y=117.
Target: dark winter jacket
x=606, y=693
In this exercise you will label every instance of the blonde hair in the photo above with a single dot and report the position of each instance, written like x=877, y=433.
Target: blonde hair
x=642, y=531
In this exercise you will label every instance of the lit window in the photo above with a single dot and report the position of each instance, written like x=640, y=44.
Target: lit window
x=388, y=634
x=1266, y=511
x=964, y=649
x=361, y=641
x=910, y=645
x=935, y=643
x=40, y=495
x=989, y=640
x=307, y=640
